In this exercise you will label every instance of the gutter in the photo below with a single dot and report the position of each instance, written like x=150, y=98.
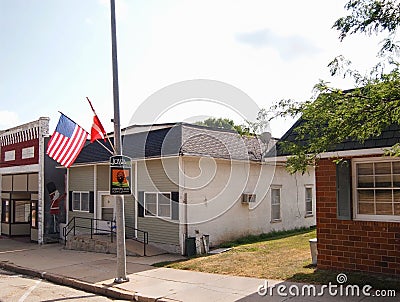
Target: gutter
x=333, y=154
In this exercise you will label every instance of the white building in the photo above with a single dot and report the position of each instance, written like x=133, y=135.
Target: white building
x=192, y=180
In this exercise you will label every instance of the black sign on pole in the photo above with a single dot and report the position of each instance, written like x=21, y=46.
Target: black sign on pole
x=120, y=175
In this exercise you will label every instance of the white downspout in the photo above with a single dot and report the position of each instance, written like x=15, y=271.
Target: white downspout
x=67, y=198
x=95, y=192
x=183, y=207
x=136, y=198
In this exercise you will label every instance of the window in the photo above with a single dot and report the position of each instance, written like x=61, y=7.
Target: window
x=5, y=211
x=28, y=152
x=22, y=211
x=9, y=155
x=157, y=204
x=80, y=201
x=151, y=204
x=377, y=189
x=164, y=205
x=309, y=201
x=275, y=203
x=34, y=211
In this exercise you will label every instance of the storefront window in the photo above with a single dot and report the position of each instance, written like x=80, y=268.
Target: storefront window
x=34, y=214
x=22, y=210
x=5, y=211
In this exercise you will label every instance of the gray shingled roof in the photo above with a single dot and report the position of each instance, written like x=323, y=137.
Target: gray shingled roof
x=219, y=143
x=386, y=139
x=180, y=139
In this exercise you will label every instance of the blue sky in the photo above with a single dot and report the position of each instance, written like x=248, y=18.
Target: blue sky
x=55, y=53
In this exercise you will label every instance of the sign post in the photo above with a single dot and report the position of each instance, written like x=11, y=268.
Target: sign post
x=120, y=175
x=119, y=199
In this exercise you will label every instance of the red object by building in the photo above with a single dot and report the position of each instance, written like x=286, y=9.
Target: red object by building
x=55, y=202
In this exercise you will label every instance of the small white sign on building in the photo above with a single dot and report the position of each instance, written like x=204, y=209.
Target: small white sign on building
x=28, y=152
x=9, y=155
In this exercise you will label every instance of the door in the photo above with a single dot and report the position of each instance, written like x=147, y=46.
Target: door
x=21, y=223
x=105, y=212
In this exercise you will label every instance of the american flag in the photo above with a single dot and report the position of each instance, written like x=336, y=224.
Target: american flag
x=66, y=142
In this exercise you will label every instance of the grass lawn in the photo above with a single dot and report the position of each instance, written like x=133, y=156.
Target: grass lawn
x=281, y=256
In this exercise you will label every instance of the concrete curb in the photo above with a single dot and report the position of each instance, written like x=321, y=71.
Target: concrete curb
x=110, y=292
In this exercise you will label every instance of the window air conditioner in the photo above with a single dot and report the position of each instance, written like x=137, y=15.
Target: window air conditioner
x=247, y=198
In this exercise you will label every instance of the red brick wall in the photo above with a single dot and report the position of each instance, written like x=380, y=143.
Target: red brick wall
x=18, y=153
x=352, y=245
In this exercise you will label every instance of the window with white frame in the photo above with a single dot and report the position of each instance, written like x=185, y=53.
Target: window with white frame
x=309, y=200
x=28, y=152
x=157, y=204
x=377, y=189
x=80, y=201
x=275, y=203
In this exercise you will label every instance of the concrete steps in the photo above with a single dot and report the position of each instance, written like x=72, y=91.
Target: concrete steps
x=103, y=244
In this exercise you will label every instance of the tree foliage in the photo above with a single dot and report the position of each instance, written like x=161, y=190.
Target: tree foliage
x=336, y=115
x=249, y=128
x=224, y=123
x=371, y=17
x=332, y=115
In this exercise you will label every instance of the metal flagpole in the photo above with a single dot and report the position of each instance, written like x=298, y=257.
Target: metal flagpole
x=105, y=147
x=106, y=135
x=120, y=216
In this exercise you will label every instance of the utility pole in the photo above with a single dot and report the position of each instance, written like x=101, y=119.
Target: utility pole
x=119, y=199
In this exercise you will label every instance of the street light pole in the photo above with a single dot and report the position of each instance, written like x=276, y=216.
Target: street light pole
x=119, y=199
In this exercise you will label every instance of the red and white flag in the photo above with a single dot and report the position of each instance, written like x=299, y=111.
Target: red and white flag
x=97, y=131
x=66, y=142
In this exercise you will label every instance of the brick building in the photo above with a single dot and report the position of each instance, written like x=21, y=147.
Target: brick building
x=29, y=183
x=358, y=205
x=357, y=227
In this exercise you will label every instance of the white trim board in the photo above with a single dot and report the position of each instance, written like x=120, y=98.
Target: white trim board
x=20, y=169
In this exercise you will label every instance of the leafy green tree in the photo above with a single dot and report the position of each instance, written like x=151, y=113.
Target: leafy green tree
x=333, y=115
x=224, y=123
x=372, y=17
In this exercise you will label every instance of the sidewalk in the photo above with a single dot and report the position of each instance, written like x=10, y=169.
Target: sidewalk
x=95, y=272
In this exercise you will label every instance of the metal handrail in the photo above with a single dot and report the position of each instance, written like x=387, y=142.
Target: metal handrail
x=145, y=237
x=68, y=229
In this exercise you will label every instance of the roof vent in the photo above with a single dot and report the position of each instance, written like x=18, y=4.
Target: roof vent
x=265, y=137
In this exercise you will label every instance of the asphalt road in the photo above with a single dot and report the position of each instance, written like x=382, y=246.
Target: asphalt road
x=20, y=288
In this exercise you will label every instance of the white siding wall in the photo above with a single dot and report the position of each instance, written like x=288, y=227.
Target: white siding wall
x=158, y=175
x=214, y=189
x=103, y=178
x=81, y=179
